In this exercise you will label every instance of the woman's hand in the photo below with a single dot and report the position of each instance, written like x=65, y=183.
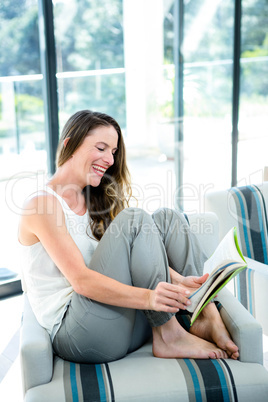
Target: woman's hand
x=169, y=298
x=190, y=283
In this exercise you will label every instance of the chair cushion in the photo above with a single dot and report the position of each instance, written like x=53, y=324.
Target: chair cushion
x=140, y=377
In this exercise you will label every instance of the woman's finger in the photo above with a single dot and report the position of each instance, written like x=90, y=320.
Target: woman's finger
x=176, y=289
x=180, y=303
x=174, y=292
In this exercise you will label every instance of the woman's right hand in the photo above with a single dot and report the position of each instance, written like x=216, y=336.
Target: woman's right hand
x=169, y=298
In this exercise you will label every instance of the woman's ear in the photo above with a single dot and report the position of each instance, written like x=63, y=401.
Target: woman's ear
x=65, y=142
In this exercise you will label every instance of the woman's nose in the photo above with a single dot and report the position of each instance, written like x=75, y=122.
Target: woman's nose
x=109, y=158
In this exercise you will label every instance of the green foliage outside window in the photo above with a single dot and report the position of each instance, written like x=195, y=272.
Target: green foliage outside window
x=90, y=36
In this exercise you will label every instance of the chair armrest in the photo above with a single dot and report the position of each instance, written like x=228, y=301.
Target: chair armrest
x=245, y=331
x=256, y=291
x=36, y=355
x=257, y=266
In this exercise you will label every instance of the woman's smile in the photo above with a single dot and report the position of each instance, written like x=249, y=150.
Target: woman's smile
x=99, y=170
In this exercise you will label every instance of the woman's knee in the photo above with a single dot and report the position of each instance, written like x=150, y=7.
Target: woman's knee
x=132, y=216
x=167, y=219
x=166, y=213
x=132, y=212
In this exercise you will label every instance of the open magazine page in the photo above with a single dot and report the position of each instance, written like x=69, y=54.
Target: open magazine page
x=226, y=251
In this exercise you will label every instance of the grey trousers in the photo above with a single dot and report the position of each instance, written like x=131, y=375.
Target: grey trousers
x=137, y=249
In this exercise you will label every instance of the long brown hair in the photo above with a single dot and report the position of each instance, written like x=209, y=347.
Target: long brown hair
x=112, y=195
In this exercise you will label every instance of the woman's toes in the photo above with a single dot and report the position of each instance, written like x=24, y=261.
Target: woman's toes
x=212, y=355
x=235, y=355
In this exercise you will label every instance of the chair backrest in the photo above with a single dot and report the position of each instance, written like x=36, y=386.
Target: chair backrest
x=205, y=226
x=246, y=208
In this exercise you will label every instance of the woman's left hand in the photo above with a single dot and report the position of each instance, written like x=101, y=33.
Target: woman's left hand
x=190, y=283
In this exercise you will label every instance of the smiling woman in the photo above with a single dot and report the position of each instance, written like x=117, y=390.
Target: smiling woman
x=100, y=138
x=93, y=157
x=90, y=264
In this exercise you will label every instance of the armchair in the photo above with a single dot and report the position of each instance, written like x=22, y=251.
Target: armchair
x=141, y=377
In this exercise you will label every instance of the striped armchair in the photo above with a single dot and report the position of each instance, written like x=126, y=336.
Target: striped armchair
x=140, y=377
x=246, y=208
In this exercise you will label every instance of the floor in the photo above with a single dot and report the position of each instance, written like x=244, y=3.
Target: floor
x=10, y=313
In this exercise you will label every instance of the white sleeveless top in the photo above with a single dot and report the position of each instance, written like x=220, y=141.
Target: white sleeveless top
x=48, y=291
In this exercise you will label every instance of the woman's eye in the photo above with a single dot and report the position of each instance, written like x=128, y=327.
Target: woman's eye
x=100, y=149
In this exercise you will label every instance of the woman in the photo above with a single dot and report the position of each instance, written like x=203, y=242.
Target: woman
x=90, y=265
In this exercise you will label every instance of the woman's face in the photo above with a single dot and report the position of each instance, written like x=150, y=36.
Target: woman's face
x=95, y=155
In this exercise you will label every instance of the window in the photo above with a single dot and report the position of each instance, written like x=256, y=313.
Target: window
x=208, y=52
x=90, y=57
x=253, y=111
x=22, y=133
x=105, y=63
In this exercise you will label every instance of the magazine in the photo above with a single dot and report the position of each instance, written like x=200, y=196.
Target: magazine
x=225, y=263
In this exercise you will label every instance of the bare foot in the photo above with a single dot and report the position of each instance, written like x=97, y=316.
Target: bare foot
x=210, y=326
x=172, y=341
